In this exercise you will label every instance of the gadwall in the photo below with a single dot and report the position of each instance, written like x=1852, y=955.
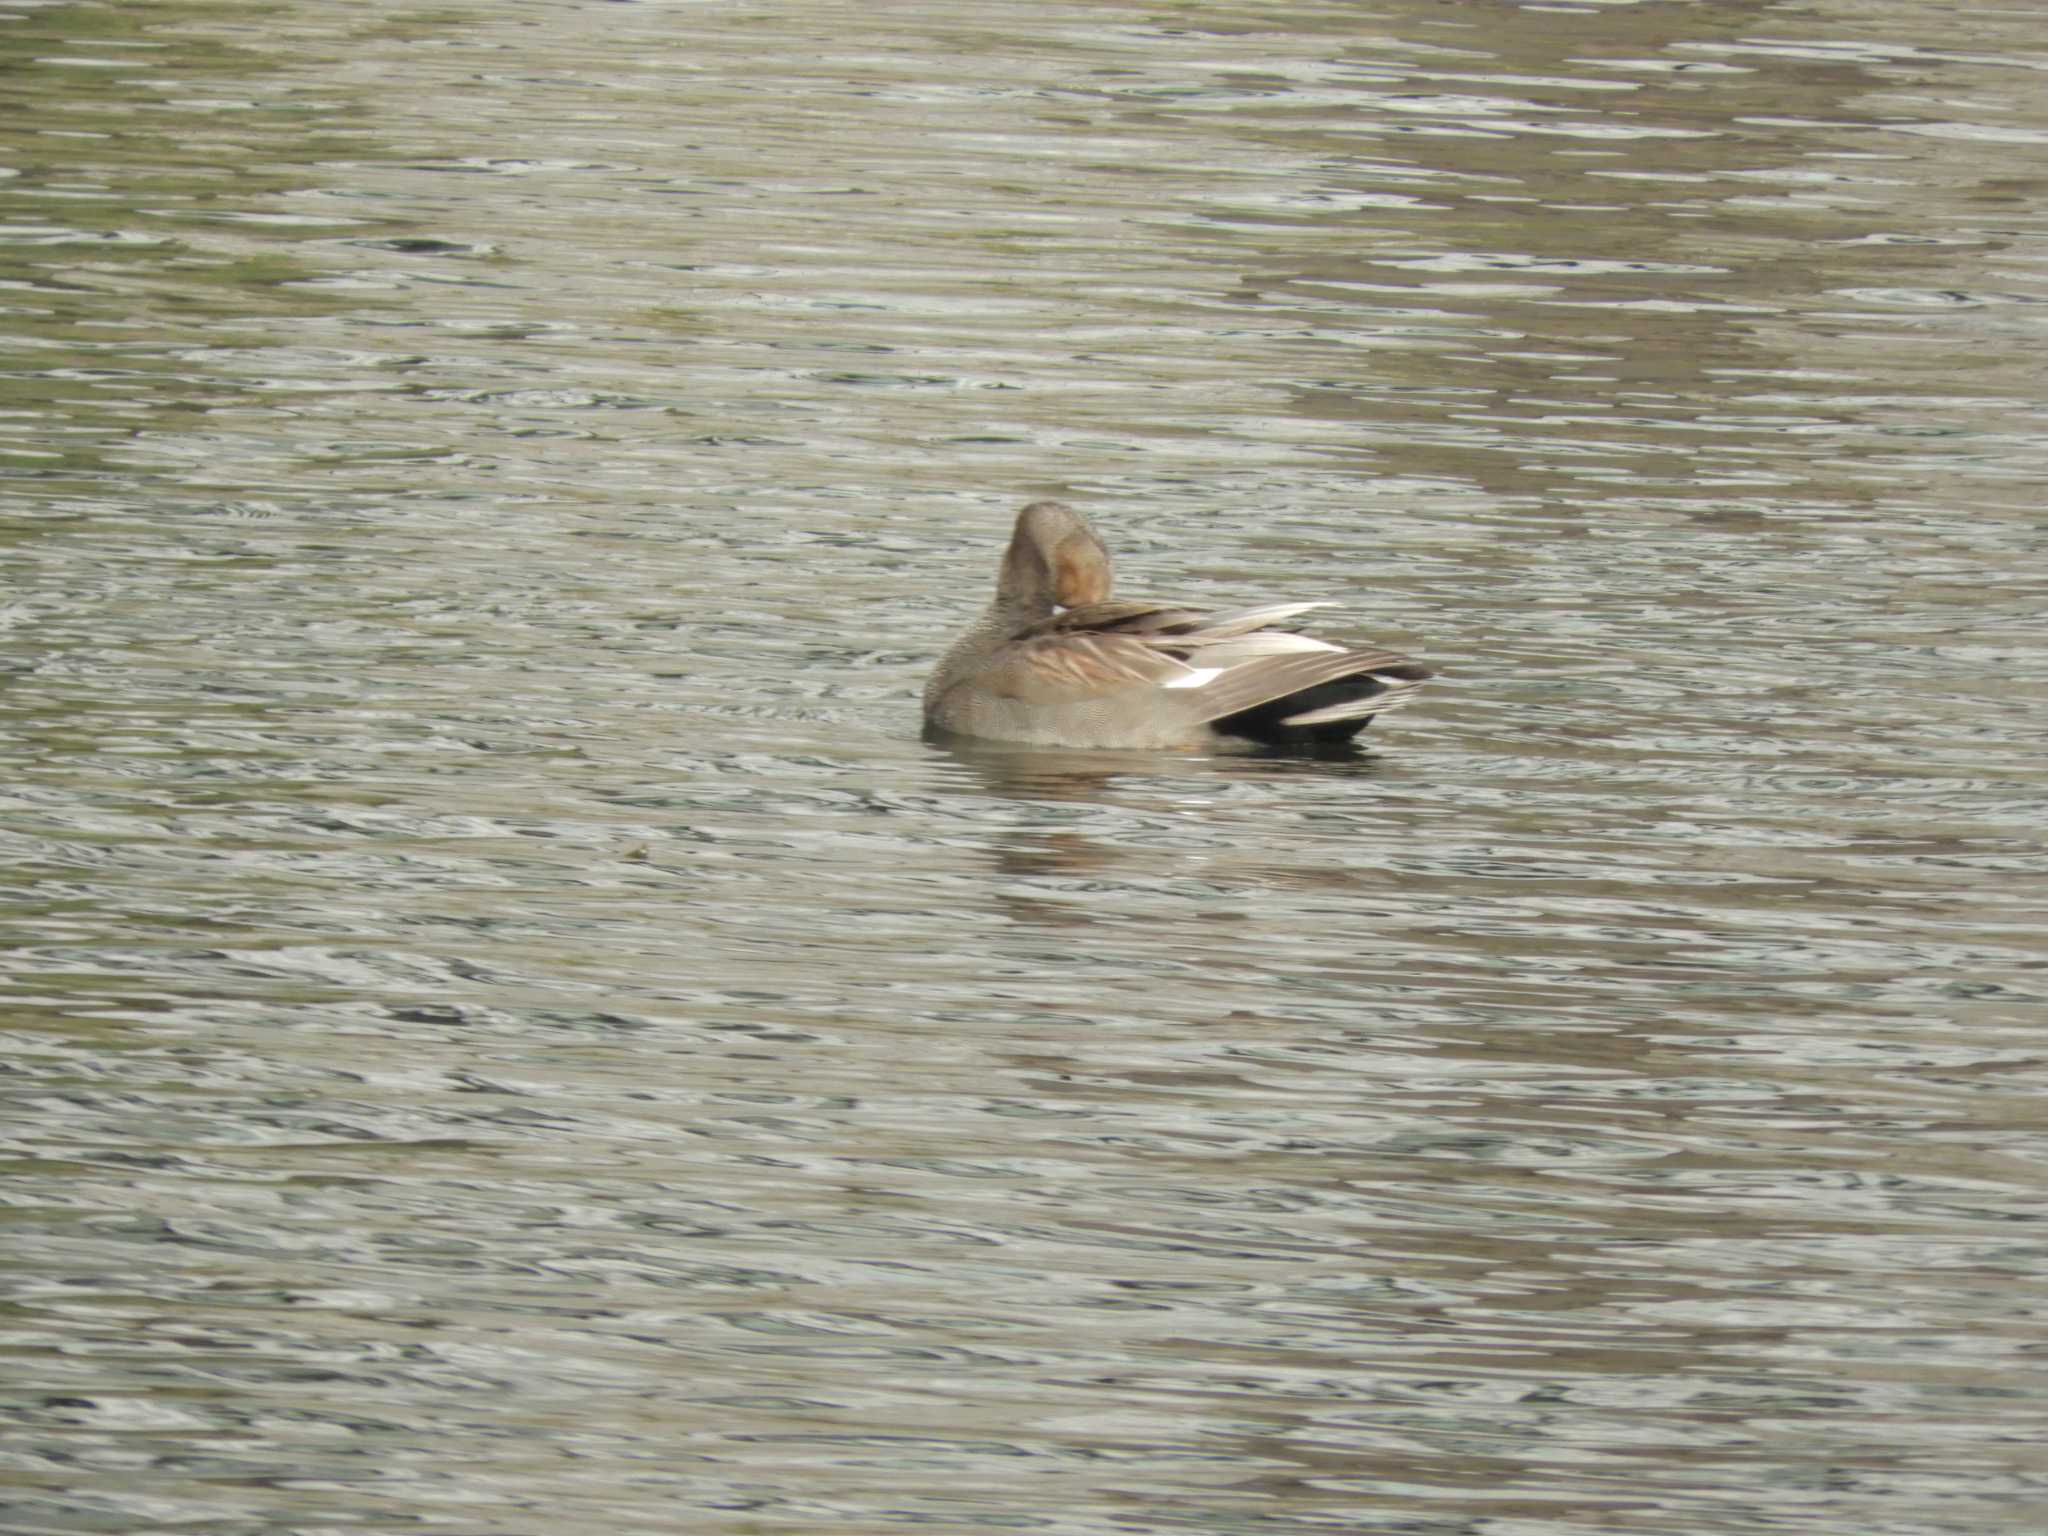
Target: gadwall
x=1057, y=662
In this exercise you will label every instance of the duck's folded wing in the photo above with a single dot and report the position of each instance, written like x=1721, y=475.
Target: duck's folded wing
x=1228, y=690
x=1128, y=616
x=1053, y=668
x=1243, y=621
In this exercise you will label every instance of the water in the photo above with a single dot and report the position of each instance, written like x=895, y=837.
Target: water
x=509, y=1028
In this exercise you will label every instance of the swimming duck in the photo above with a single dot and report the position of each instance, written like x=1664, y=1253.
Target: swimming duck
x=1057, y=662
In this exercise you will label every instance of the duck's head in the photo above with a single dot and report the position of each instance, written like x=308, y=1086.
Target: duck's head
x=1054, y=558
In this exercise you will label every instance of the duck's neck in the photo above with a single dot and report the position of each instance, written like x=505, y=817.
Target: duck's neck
x=1013, y=610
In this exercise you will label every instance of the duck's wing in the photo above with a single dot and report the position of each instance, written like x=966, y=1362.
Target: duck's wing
x=1094, y=649
x=1387, y=680
x=1266, y=618
x=1212, y=665
x=1168, y=623
x=1120, y=616
x=1053, y=666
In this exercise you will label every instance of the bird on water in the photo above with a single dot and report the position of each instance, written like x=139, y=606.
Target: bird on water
x=1056, y=661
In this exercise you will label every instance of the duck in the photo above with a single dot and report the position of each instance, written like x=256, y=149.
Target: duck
x=1056, y=661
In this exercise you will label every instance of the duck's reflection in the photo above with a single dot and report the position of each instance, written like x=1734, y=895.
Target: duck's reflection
x=1054, y=773
x=1125, y=785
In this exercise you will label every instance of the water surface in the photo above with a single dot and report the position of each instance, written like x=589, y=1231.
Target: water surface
x=509, y=1027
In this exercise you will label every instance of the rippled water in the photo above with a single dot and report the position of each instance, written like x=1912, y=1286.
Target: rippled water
x=510, y=1029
